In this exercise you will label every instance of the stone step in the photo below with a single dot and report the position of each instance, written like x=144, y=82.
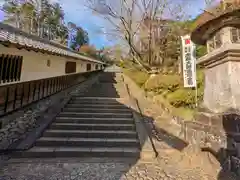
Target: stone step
x=74, y=126
x=94, y=120
x=55, y=152
x=95, y=123
x=95, y=98
x=86, y=101
x=97, y=115
x=106, y=106
x=90, y=133
x=86, y=142
x=96, y=110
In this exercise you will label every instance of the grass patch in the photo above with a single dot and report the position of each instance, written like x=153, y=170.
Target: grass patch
x=139, y=77
x=182, y=112
x=162, y=83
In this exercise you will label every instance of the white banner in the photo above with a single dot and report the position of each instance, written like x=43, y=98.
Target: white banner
x=188, y=62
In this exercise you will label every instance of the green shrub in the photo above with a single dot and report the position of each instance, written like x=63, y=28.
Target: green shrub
x=121, y=64
x=169, y=86
x=185, y=97
x=201, y=50
x=161, y=83
x=126, y=64
x=200, y=84
x=181, y=97
x=200, y=78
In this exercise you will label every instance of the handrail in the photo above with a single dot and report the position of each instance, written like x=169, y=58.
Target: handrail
x=18, y=95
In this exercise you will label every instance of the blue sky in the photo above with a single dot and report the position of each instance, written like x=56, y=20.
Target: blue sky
x=83, y=17
x=77, y=13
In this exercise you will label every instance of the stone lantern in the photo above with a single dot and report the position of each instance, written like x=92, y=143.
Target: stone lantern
x=220, y=31
x=221, y=34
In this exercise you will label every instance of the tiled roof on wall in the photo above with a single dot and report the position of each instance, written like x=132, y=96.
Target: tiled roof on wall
x=15, y=36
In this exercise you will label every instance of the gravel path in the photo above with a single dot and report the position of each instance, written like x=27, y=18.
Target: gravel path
x=108, y=170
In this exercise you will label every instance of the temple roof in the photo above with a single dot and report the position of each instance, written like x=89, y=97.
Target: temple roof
x=9, y=34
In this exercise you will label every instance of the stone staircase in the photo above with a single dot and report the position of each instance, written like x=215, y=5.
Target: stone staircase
x=88, y=127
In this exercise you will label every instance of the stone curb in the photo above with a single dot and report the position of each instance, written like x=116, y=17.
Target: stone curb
x=148, y=152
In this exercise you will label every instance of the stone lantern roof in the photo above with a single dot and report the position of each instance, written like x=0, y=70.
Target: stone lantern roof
x=225, y=14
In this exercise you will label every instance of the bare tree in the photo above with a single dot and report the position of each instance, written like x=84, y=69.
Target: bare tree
x=127, y=22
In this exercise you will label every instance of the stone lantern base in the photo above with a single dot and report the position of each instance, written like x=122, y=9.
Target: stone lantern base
x=221, y=112
x=222, y=82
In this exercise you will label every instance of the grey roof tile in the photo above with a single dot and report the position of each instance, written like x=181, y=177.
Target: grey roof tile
x=15, y=36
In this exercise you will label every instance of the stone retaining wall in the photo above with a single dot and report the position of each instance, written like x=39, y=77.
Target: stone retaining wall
x=218, y=134
x=207, y=131
x=201, y=135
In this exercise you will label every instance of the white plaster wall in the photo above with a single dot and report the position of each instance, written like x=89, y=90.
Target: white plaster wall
x=35, y=64
x=37, y=67
x=80, y=67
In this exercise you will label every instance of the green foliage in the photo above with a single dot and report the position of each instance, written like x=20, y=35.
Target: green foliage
x=170, y=86
x=128, y=64
x=201, y=51
x=139, y=77
x=121, y=64
x=162, y=83
x=181, y=97
x=185, y=97
x=200, y=78
x=81, y=38
x=24, y=15
x=168, y=90
x=90, y=51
